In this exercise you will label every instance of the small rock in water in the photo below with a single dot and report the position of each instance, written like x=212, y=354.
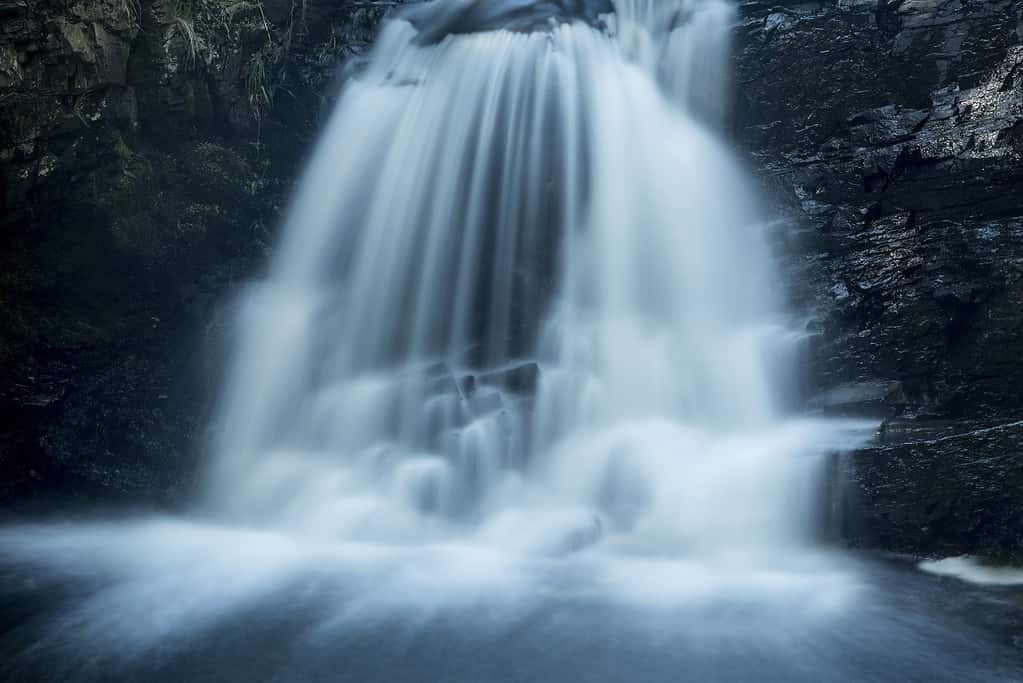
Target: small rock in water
x=521, y=379
x=582, y=537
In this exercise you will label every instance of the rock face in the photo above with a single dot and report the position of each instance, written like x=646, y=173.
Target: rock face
x=938, y=489
x=891, y=133
x=145, y=149
x=894, y=131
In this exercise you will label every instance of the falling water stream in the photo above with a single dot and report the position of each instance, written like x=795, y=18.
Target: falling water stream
x=525, y=292
x=517, y=401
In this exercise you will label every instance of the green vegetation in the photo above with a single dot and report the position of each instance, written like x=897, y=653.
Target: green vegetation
x=183, y=15
x=256, y=84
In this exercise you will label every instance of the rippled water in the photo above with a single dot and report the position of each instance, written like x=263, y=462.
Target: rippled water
x=161, y=599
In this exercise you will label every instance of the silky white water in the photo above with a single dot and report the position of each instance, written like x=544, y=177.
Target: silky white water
x=525, y=297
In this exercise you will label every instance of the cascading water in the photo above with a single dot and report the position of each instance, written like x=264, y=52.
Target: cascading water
x=524, y=294
x=515, y=403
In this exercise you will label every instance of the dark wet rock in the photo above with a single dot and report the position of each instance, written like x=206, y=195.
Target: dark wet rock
x=519, y=379
x=940, y=489
x=888, y=131
x=858, y=398
x=146, y=147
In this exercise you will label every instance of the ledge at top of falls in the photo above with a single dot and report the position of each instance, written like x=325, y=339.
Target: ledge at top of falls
x=435, y=20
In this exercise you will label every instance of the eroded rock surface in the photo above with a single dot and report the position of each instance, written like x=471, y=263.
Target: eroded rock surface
x=890, y=134
x=939, y=489
x=146, y=147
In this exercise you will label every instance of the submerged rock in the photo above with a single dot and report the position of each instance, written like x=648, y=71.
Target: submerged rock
x=582, y=537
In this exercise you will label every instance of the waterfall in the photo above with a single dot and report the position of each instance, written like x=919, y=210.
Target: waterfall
x=525, y=297
x=516, y=401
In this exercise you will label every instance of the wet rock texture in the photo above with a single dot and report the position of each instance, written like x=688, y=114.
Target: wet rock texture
x=145, y=149
x=939, y=489
x=891, y=133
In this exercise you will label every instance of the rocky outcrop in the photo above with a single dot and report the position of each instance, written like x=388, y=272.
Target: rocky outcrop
x=938, y=489
x=890, y=133
x=145, y=149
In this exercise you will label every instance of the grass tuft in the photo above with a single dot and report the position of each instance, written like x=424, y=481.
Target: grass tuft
x=183, y=15
x=133, y=11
